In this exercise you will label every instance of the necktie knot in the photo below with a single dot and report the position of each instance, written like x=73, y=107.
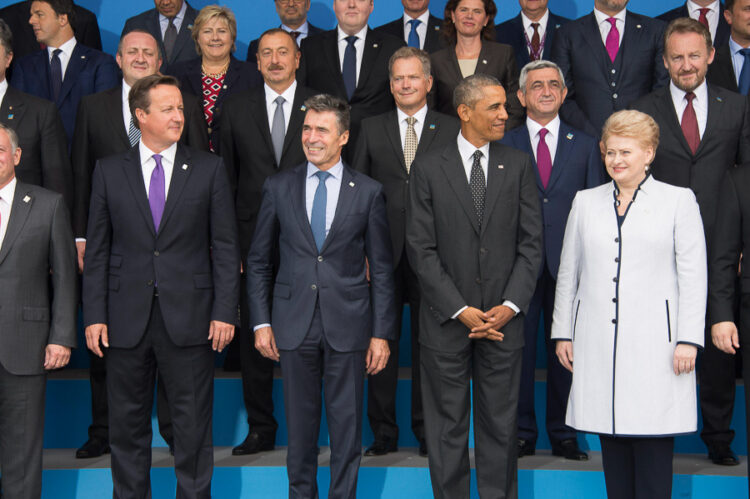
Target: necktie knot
x=56, y=53
x=411, y=120
x=157, y=159
x=536, y=27
x=612, y=22
x=295, y=34
x=745, y=52
x=350, y=40
x=477, y=156
x=171, y=21
x=415, y=23
x=543, y=133
x=322, y=176
x=689, y=96
x=279, y=101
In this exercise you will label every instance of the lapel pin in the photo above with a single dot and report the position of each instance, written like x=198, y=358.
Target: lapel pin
x=303, y=108
x=184, y=167
x=500, y=167
x=638, y=26
x=719, y=99
x=432, y=127
x=351, y=184
x=437, y=28
x=569, y=136
x=224, y=87
x=484, y=61
x=374, y=45
x=83, y=57
x=557, y=26
x=26, y=199
x=190, y=26
x=10, y=116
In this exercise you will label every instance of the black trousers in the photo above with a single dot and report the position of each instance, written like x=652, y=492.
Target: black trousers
x=21, y=434
x=745, y=352
x=637, y=468
x=305, y=370
x=381, y=388
x=188, y=380
x=558, y=378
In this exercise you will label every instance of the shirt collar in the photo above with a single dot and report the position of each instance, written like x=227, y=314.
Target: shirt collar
x=425, y=17
x=146, y=153
x=701, y=92
x=125, y=92
x=7, y=192
x=336, y=170
x=694, y=7
x=302, y=30
x=361, y=35
x=601, y=17
x=3, y=89
x=542, y=22
x=288, y=94
x=553, y=127
x=178, y=17
x=66, y=47
x=420, y=115
x=466, y=149
x=734, y=47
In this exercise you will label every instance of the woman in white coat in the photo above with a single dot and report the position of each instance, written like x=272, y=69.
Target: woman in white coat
x=629, y=311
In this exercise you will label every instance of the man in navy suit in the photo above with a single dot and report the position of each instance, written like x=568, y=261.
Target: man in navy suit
x=328, y=325
x=565, y=160
x=729, y=60
x=417, y=27
x=710, y=13
x=65, y=71
x=609, y=58
x=532, y=32
x=293, y=16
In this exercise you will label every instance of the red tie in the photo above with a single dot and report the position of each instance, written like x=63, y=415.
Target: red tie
x=612, y=42
x=690, y=124
x=543, y=158
x=535, y=53
x=702, y=17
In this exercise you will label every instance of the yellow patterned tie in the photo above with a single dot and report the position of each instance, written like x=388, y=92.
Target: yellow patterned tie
x=410, y=142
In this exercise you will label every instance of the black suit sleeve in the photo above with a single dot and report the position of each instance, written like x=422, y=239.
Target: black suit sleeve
x=57, y=173
x=64, y=278
x=96, y=259
x=743, y=154
x=87, y=29
x=378, y=249
x=260, y=263
x=227, y=148
x=83, y=167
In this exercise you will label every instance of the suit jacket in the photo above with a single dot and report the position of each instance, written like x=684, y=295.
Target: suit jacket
x=458, y=264
x=722, y=30
x=240, y=76
x=89, y=71
x=725, y=143
x=597, y=87
x=100, y=132
x=320, y=70
x=184, y=47
x=721, y=71
x=379, y=155
x=577, y=166
x=495, y=59
x=193, y=258
x=433, y=41
x=41, y=136
x=248, y=152
x=38, y=239
x=252, y=49
x=333, y=278
x=511, y=33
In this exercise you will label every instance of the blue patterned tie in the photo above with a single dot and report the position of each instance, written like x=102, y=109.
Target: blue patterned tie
x=349, y=71
x=744, y=83
x=318, y=215
x=413, y=35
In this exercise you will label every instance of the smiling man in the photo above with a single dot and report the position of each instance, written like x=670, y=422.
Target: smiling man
x=293, y=16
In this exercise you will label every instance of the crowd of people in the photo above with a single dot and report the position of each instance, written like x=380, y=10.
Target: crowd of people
x=583, y=176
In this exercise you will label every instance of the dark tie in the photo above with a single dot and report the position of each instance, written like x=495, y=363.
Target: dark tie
x=535, y=52
x=170, y=37
x=318, y=214
x=613, y=39
x=744, y=83
x=350, y=67
x=278, y=130
x=478, y=186
x=55, y=74
x=156, y=192
x=702, y=17
x=690, y=124
x=413, y=35
x=543, y=158
x=134, y=133
x=295, y=34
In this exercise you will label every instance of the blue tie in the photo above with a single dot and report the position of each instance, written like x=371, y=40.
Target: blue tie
x=318, y=215
x=744, y=83
x=413, y=35
x=350, y=67
x=55, y=74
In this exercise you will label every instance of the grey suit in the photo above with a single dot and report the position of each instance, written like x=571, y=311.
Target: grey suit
x=38, y=239
x=458, y=264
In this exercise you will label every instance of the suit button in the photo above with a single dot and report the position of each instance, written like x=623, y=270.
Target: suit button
x=614, y=96
x=313, y=287
x=482, y=250
x=209, y=130
x=478, y=280
x=156, y=252
x=614, y=84
x=150, y=283
x=614, y=300
x=614, y=71
x=320, y=258
x=546, y=200
x=617, y=259
x=614, y=279
x=614, y=321
x=407, y=181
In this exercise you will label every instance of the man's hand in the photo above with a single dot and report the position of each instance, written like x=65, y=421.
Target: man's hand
x=497, y=318
x=94, y=334
x=564, y=351
x=725, y=337
x=220, y=334
x=684, y=358
x=265, y=343
x=377, y=355
x=81, y=250
x=479, y=325
x=56, y=356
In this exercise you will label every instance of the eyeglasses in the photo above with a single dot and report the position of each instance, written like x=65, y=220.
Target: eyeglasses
x=288, y=2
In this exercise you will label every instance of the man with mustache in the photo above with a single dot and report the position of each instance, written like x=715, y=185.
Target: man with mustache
x=710, y=135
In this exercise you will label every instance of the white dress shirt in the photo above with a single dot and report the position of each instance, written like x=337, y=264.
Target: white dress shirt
x=164, y=21
x=529, y=29
x=700, y=104
x=303, y=30
x=6, y=203
x=148, y=163
x=712, y=16
x=418, y=125
x=553, y=134
x=604, y=26
x=737, y=59
x=126, y=106
x=421, y=28
x=271, y=96
x=359, y=45
x=65, y=55
x=333, y=187
x=3, y=89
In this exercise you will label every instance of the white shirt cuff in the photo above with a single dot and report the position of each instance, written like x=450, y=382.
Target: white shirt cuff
x=512, y=306
x=459, y=311
x=259, y=326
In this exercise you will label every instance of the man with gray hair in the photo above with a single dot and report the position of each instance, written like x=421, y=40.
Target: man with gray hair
x=474, y=239
x=566, y=160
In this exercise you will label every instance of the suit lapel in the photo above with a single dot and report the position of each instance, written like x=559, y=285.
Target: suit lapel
x=77, y=62
x=523, y=131
x=372, y=48
x=565, y=142
x=134, y=175
x=495, y=180
x=183, y=36
x=12, y=109
x=297, y=195
x=549, y=35
x=430, y=128
x=115, y=117
x=453, y=168
x=393, y=132
x=180, y=173
x=296, y=118
x=347, y=193
x=715, y=111
x=594, y=39
x=666, y=109
x=261, y=117
x=332, y=54
x=485, y=60
x=631, y=38
x=22, y=201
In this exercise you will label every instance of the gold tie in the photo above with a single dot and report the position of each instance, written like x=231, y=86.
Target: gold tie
x=410, y=142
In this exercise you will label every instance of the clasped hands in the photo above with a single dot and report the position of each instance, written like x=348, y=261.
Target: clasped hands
x=486, y=325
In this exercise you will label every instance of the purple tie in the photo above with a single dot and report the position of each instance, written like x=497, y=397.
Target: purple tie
x=156, y=192
x=543, y=158
x=613, y=39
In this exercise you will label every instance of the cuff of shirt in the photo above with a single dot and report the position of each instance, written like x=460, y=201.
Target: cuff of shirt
x=80, y=239
x=512, y=306
x=259, y=326
x=455, y=316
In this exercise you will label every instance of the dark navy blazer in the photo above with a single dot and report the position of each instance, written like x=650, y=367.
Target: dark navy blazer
x=722, y=30
x=511, y=32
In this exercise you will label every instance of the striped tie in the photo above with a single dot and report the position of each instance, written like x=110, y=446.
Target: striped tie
x=134, y=134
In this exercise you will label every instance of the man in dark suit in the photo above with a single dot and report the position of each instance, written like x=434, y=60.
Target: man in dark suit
x=293, y=16
x=259, y=138
x=160, y=288
x=387, y=146
x=40, y=131
x=532, y=32
x=710, y=13
x=328, y=324
x=610, y=58
x=705, y=130
x=565, y=160
x=476, y=247
x=37, y=260
x=417, y=27
x=730, y=60
x=351, y=62
x=65, y=70
x=105, y=127
x=169, y=23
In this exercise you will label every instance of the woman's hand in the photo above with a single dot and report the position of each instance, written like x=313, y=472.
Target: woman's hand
x=684, y=358
x=564, y=351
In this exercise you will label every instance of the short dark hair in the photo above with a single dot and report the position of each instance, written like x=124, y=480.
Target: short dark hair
x=684, y=25
x=469, y=91
x=277, y=31
x=449, y=30
x=139, y=97
x=407, y=53
x=728, y=5
x=322, y=103
x=61, y=7
x=6, y=37
x=141, y=31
